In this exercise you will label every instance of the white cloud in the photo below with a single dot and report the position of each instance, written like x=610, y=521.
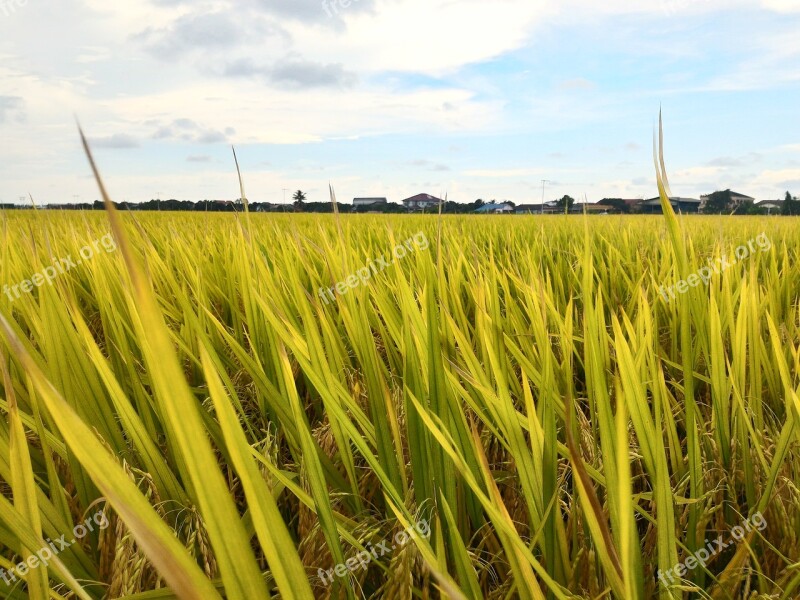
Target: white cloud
x=261, y=115
x=426, y=36
x=783, y=6
x=778, y=177
x=396, y=67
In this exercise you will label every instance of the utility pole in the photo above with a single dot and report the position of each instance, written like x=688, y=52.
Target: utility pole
x=544, y=181
x=284, y=195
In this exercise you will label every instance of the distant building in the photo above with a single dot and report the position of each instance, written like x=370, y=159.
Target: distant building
x=771, y=206
x=736, y=200
x=368, y=202
x=683, y=205
x=422, y=201
x=580, y=208
x=623, y=205
x=739, y=199
x=496, y=208
x=552, y=208
x=633, y=203
x=548, y=208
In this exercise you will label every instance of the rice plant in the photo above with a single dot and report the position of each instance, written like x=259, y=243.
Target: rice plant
x=520, y=386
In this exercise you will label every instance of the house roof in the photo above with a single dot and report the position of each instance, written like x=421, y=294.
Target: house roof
x=589, y=207
x=422, y=198
x=657, y=199
x=627, y=201
x=536, y=207
x=369, y=200
x=773, y=202
x=733, y=195
x=495, y=206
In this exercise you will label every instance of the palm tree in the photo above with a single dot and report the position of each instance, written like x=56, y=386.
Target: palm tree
x=299, y=199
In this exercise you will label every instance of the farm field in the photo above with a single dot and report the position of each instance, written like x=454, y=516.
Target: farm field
x=297, y=406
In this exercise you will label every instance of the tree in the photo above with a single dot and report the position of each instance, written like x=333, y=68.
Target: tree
x=749, y=208
x=618, y=204
x=718, y=203
x=299, y=200
x=791, y=206
x=746, y=208
x=566, y=202
x=451, y=207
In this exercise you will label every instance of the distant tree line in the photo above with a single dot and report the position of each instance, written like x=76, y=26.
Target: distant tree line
x=151, y=205
x=718, y=203
x=189, y=206
x=791, y=206
x=722, y=203
x=299, y=204
x=449, y=207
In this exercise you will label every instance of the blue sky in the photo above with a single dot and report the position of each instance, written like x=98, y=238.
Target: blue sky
x=397, y=97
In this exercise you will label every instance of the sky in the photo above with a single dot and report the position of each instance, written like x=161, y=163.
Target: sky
x=469, y=98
